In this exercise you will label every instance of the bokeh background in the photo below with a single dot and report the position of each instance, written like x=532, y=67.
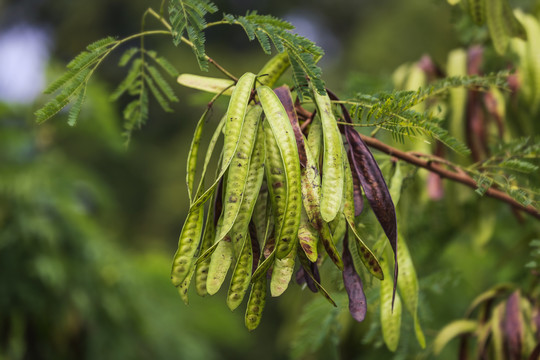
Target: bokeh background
x=88, y=226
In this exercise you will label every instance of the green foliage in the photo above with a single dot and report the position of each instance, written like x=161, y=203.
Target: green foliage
x=142, y=78
x=303, y=53
x=513, y=167
x=187, y=19
x=73, y=83
x=318, y=326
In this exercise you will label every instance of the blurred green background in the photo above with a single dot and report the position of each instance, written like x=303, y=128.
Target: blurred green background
x=88, y=226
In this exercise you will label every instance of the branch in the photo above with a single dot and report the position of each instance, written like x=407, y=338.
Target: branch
x=460, y=177
x=190, y=44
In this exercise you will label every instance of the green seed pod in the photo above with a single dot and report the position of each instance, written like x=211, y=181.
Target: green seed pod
x=408, y=287
x=390, y=318
x=366, y=255
x=273, y=69
x=259, y=216
x=184, y=286
x=308, y=237
x=282, y=273
x=338, y=227
x=256, y=302
x=251, y=191
x=206, y=83
x=220, y=263
x=201, y=271
x=188, y=243
x=238, y=172
x=278, y=120
x=314, y=140
x=241, y=277
x=332, y=174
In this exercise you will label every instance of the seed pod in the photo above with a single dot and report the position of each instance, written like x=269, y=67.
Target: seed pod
x=188, y=243
x=241, y=277
x=238, y=173
x=256, y=302
x=285, y=97
x=338, y=227
x=311, y=198
x=275, y=175
x=206, y=83
x=315, y=280
x=308, y=237
x=332, y=172
x=259, y=217
x=329, y=245
x=273, y=69
x=193, y=152
x=477, y=10
x=220, y=262
x=236, y=113
x=408, y=287
x=251, y=191
x=209, y=152
x=314, y=141
x=366, y=255
x=311, y=189
x=390, y=309
x=353, y=285
x=184, y=286
x=282, y=273
x=281, y=128
x=375, y=189
x=201, y=271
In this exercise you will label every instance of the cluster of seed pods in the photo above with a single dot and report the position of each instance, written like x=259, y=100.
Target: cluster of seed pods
x=285, y=190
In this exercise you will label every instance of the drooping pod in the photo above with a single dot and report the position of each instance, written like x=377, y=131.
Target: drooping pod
x=256, y=303
x=273, y=69
x=311, y=196
x=201, y=270
x=239, y=170
x=234, y=123
x=259, y=217
x=308, y=237
x=282, y=273
x=349, y=205
x=353, y=285
x=251, y=191
x=278, y=120
x=408, y=287
x=390, y=308
x=188, y=243
x=184, y=286
x=314, y=140
x=332, y=171
x=233, y=198
x=241, y=276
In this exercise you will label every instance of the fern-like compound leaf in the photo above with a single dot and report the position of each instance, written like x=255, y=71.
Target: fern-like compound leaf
x=302, y=52
x=187, y=18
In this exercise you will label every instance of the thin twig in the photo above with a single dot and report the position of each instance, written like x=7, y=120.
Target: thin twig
x=190, y=44
x=460, y=177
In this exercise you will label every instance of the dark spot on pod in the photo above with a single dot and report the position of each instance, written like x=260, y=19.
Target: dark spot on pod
x=233, y=199
x=276, y=171
x=227, y=238
x=277, y=185
x=307, y=248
